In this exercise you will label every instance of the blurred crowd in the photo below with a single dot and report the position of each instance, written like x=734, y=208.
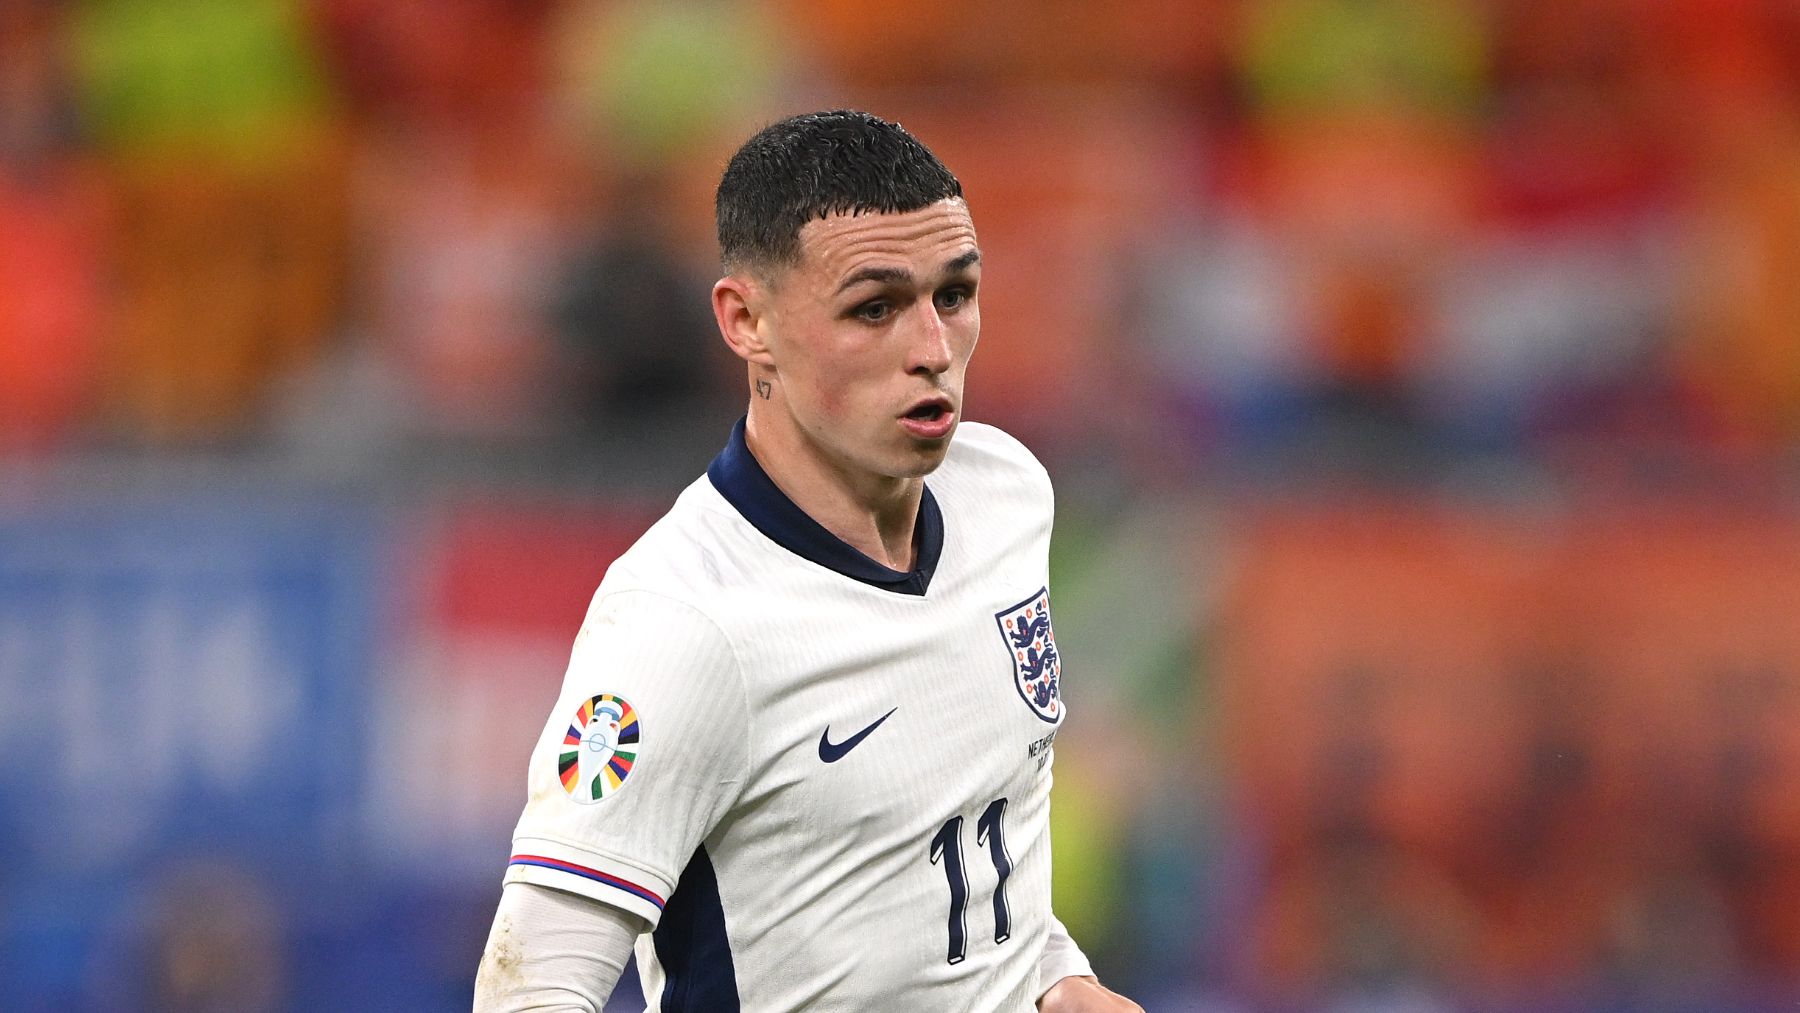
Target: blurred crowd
x=1283, y=233
x=1421, y=379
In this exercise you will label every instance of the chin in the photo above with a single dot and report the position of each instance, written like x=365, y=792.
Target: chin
x=925, y=460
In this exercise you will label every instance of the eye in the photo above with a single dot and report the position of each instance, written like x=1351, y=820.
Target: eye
x=953, y=298
x=873, y=312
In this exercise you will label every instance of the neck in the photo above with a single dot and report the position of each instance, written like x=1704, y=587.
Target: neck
x=875, y=514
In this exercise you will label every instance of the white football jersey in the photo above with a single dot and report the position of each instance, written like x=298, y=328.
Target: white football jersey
x=824, y=782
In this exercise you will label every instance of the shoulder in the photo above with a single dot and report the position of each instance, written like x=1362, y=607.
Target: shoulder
x=657, y=640
x=987, y=456
x=690, y=566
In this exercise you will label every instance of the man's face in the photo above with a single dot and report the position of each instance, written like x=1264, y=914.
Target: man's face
x=871, y=332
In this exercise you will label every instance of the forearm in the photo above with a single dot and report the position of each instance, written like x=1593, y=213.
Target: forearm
x=553, y=952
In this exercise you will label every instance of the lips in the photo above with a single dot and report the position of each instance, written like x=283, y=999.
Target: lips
x=930, y=418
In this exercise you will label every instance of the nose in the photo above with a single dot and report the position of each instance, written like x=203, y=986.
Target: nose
x=929, y=353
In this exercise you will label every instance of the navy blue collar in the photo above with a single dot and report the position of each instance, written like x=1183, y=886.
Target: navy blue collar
x=745, y=485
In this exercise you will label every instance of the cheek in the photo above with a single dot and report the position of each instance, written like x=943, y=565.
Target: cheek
x=831, y=400
x=826, y=382
x=967, y=333
x=845, y=378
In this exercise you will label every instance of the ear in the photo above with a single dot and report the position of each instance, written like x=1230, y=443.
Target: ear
x=739, y=304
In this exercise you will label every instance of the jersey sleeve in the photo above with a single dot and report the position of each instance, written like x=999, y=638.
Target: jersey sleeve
x=643, y=753
x=1007, y=456
x=1061, y=958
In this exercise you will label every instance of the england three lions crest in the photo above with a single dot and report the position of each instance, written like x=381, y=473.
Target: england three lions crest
x=1037, y=668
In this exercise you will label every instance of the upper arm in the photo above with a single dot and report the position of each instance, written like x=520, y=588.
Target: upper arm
x=643, y=753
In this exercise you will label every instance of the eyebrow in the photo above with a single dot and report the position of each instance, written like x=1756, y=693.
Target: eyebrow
x=962, y=263
x=888, y=275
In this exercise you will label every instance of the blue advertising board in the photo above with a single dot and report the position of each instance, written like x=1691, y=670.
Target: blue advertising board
x=183, y=699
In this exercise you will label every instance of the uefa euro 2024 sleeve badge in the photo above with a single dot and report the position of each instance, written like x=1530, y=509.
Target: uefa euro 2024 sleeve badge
x=599, y=748
x=1037, y=668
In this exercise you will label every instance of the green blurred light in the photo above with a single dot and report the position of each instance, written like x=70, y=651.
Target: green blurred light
x=221, y=78
x=1335, y=54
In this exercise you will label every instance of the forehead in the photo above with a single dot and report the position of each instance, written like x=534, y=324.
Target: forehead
x=842, y=243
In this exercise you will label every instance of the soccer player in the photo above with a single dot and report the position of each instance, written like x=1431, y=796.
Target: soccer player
x=801, y=757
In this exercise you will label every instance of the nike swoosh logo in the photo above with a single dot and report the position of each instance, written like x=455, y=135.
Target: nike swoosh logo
x=832, y=752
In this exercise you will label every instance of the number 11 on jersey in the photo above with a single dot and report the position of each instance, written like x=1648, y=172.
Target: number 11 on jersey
x=990, y=829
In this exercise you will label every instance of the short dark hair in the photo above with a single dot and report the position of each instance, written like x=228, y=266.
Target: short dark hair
x=813, y=166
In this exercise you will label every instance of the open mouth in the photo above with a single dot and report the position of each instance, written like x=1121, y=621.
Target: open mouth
x=931, y=419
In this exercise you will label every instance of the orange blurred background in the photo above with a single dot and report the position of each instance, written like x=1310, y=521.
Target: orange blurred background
x=1421, y=379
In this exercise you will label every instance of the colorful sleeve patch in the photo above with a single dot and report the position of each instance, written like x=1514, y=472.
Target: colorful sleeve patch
x=599, y=749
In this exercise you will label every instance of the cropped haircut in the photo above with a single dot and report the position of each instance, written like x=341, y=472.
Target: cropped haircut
x=814, y=166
